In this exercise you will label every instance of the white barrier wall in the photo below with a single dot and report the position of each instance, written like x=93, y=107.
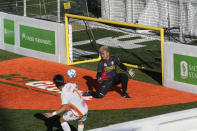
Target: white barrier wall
x=180, y=67
x=177, y=121
x=1, y=30
x=33, y=37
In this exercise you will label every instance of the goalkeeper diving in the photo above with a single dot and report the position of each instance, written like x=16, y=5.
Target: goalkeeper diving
x=107, y=76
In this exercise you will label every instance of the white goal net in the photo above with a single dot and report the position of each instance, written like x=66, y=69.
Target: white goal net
x=179, y=17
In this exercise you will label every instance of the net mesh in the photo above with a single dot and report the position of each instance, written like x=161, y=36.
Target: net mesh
x=132, y=45
x=45, y=9
x=178, y=17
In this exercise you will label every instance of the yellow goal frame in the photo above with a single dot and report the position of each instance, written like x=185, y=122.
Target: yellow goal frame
x=67, y=16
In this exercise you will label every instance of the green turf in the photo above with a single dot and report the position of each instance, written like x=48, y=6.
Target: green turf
x=4, y=55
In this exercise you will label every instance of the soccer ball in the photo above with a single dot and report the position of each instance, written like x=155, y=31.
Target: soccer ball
x=71, y=73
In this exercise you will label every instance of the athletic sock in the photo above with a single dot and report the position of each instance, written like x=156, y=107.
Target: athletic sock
x=65, y=126
x=80, y=127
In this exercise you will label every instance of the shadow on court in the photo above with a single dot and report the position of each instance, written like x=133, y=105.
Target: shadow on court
x=93, y=84
x=155, y=75
x=52, y=122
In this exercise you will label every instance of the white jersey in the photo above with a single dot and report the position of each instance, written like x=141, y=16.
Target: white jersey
x=71, y=96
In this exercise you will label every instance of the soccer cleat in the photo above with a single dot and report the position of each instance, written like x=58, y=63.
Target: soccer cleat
x=89, y=93
x=125, y=95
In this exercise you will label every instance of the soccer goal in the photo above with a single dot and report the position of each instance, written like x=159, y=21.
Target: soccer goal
x=137, y=46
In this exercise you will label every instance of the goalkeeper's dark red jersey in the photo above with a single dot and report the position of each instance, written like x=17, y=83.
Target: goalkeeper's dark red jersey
x=106, y=69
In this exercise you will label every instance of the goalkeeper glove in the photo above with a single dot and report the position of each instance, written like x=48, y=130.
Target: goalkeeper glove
x=131, y=72
x=99, y=80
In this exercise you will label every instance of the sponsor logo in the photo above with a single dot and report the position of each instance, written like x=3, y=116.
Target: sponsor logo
x=185, y=69
x=110, y=68
x=9, y=32
x=37, y=39
x=46, y=87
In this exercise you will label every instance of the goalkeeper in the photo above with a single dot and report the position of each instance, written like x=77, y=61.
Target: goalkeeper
x=107, y=75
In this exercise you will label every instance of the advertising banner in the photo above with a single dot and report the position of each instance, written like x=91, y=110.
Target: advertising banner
x=9, y=34
x=185, y=69
x=37, y=39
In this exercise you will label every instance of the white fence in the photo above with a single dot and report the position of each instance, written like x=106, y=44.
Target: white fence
x=158, y=13
x=32, y=37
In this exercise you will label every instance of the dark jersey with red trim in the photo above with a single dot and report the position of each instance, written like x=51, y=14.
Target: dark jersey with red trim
x=106, y=69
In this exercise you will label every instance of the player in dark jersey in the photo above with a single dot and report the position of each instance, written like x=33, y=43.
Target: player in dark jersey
x=107, y=75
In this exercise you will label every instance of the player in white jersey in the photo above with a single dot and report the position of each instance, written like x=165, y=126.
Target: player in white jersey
x=70, y=97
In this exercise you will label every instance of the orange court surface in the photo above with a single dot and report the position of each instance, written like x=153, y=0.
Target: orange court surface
x=26, y=83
